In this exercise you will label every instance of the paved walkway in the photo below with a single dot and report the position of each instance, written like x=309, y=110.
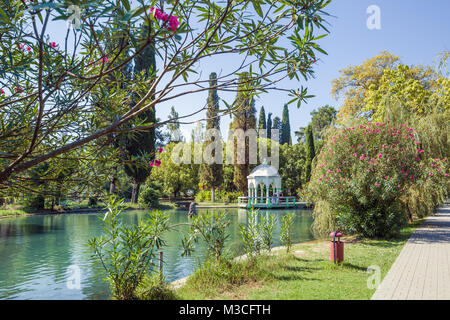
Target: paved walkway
x=422, y=270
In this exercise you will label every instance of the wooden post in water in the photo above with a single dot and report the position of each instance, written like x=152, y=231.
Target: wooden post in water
x=161, y=264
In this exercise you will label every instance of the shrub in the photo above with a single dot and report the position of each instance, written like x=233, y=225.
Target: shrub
x=257, y=234
x=35, y=202
x=251, y=235
x=92, y=202
x=149, y=197
x=230, y=196
x=364, y=178
x=127, y=253
x=266, y=229
x=212, y=228
x=203, y=195
x=221, y=195
x=286, y=231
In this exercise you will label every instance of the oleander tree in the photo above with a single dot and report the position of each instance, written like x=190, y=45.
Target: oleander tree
x=47, y=107
x=368, y=178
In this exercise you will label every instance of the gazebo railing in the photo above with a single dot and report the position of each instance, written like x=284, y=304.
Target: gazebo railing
x=267, y=200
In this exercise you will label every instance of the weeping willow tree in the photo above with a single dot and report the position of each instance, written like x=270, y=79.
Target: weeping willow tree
x=432, y=134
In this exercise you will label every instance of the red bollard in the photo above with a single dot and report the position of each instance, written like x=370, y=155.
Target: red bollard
x=336, y=247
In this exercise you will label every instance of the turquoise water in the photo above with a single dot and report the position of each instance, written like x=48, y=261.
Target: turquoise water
x=39, y=253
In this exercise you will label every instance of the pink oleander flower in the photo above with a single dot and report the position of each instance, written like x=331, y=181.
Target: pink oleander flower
x=18, y=89
x=380, y=156
x=150, y=163
x=174, y=23
x=21, y=46
x=2, y=91
x=430, y=174
x=156, y=12
x=157, y=162
x=446, y=175
x=377, y=184
x=104, y=59
x=399, y=187
x=53, y=45
x=160, y=149
x=28, y=48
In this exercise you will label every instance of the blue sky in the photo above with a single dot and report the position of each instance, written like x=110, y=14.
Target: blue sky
x=415, y=30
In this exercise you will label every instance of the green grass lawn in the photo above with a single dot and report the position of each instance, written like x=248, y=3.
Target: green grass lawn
x=305, y=273
x=12, y=212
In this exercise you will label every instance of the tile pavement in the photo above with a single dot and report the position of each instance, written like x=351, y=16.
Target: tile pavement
x=422, y=269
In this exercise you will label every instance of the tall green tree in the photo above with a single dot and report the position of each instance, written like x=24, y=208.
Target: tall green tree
x=140, y=145
x=174, y=126
x=269, y=125
x=175, y=178
x=292, y=165
x=322, y=118
x=244, y=118
x=211, y=174
x=276, y=125
x=310, y=152
x=285, y=127
x=262, y=119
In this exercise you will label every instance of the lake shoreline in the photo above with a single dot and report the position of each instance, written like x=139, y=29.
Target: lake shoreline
x=103, y=210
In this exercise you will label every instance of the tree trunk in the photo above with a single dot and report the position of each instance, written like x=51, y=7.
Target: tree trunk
x=135, y=191
x=213, y=194
x=112, y=183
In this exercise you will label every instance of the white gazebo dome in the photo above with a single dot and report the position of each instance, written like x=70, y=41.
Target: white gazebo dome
x=264, y=181
x=264, y=170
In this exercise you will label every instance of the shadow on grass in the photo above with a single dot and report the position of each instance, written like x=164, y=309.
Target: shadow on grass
x=386, y=243
x=354, y=267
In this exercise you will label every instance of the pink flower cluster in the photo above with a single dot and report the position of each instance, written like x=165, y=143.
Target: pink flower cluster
x=156, y=162
x=174, y=23
x=23, y=47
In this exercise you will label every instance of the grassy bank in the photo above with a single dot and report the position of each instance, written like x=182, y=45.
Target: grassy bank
x=305, y=273
x=12, y=213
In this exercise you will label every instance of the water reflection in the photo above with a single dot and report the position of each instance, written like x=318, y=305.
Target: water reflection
x=36, y=251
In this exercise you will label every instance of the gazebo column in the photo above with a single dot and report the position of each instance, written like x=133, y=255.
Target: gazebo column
x=267, y=194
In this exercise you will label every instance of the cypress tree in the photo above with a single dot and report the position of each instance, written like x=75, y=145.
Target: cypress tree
x=142, y=142
x=269, y=125
x=277, y=126
x=310, y=152
x=211, y=174
x=262, y=119
x=285, y=127
x=244, y=118
x=174, y=126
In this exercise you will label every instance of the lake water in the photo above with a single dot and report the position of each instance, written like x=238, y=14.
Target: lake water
x=38, y=254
